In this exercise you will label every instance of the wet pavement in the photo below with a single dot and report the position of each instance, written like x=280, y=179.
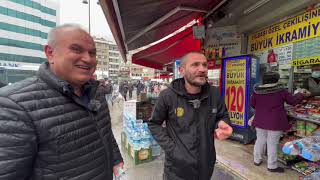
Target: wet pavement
x=152, y=170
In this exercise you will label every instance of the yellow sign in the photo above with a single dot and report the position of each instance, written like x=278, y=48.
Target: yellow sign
x=235, y=83
x=179, y=111
x=301, y=27
x=306, y=61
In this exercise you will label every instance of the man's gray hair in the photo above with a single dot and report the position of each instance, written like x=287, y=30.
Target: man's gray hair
x=52, y=35
x=185, y=57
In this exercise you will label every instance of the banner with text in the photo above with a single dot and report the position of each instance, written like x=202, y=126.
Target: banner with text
x=301, y=27
x=235, y=81
x=306, y=61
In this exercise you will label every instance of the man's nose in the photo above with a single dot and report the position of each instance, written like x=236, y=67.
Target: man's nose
x=203, y=68
x=87, y=57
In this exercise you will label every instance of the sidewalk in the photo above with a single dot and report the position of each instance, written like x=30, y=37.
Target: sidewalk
x=238, y=159
x=234, y=160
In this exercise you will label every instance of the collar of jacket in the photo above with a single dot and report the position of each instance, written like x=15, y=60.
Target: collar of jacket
x=178, y=86
x=64, y=87
x=267, y=88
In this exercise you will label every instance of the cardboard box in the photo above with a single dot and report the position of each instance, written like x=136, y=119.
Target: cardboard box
x=140, y=156
x=138, y=109
x=142, y=97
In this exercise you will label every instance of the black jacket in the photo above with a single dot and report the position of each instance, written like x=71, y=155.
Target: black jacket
x=188, y=137
x=47, y=133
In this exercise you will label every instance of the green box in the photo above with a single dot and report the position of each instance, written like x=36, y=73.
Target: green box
x=140, y=156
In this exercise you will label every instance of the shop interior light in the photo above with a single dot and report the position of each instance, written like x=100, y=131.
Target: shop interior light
x=255, y=6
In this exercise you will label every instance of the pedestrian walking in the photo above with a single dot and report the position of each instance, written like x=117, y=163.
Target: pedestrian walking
x=124, y=89
x=140, y=88
x=109, y=90
x=130, y=89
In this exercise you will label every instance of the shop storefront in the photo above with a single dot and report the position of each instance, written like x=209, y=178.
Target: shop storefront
x=291, y=48
x=233, y=33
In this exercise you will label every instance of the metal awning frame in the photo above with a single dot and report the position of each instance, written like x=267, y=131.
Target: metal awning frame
x=156, y=23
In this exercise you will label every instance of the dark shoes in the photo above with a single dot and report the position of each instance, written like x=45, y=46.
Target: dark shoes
x=257, y=164
x=277, y=170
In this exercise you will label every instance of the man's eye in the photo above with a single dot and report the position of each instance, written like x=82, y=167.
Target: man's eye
x=93, y=54
x=76, y=49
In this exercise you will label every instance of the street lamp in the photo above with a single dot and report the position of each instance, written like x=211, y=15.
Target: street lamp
x=88, y=2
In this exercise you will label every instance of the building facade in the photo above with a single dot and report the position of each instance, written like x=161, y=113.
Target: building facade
x=23, y=33
x=136, y=72
x=114, y=61
x=102, y=47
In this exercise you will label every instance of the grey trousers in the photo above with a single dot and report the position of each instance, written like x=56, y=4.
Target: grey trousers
x=271, y=139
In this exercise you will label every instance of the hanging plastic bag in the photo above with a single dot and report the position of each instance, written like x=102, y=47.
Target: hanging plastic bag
x=250, y=121
x=122, y=175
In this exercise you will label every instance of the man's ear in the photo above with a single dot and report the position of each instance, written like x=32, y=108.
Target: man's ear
x=181, y=70
x=49, y=53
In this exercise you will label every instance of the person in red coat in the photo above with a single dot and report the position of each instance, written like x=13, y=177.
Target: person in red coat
x=270, y=118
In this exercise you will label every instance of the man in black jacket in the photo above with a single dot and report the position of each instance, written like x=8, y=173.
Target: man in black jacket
x=194, y=113
x=57, y=125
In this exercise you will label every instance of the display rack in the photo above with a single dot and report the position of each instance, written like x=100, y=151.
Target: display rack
x=305, y=119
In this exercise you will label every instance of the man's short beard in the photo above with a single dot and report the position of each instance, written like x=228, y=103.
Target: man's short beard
x=196, y=84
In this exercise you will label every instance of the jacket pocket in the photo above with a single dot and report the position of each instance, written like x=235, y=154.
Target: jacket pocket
x=181, y=160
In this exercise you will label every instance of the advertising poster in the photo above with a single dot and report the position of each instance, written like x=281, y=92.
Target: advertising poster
x=306, y=61
x=278, y=56
x=235, y=91
x=307, y=48
x=298, y=28
x=222, y=42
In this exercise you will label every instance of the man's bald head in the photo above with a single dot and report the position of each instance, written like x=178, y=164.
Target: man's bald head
x=185, y=58
x=56, y=32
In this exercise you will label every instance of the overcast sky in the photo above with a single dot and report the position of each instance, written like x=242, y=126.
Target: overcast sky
x=74, y=11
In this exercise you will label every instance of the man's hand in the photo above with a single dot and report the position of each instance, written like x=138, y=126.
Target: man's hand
x=116, y=167
x=223, y=131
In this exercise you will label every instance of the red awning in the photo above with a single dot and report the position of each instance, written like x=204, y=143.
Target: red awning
x=137, y=23
x=168, y=50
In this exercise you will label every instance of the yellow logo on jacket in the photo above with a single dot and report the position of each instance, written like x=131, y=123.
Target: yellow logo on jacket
x=179, y=111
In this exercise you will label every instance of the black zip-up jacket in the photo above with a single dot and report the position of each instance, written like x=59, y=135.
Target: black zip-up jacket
x=48, y=133
x=187, y=138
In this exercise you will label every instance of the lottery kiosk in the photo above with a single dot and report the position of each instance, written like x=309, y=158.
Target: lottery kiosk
x=239, y=74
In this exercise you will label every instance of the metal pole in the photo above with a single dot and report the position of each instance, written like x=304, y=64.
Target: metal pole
x=89, y=19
